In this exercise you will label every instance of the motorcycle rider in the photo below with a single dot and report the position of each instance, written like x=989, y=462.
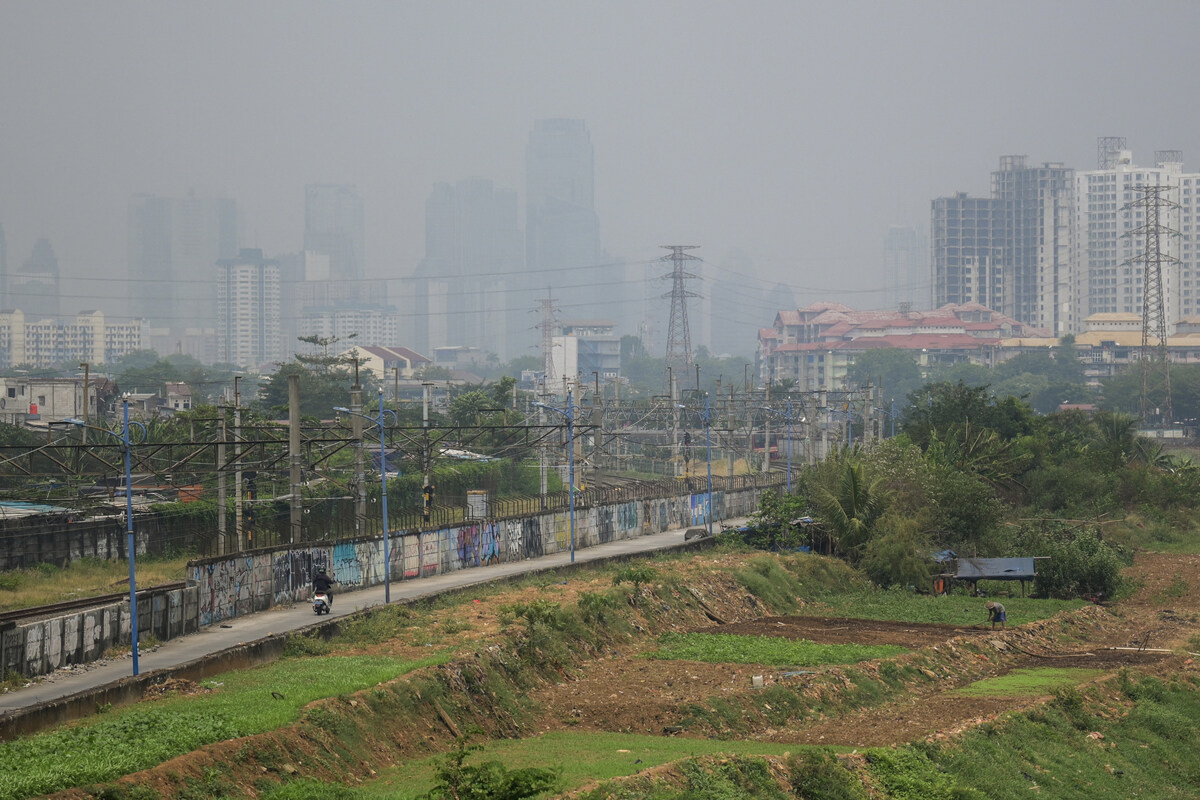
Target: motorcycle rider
x=323, y=584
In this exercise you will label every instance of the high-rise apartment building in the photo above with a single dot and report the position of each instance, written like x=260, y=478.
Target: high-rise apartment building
x=247, y=291
x=967, y=251
x=333, y=225
x=47, y=342
x=1010, y=251
x=1036, y=217
x=173, y=244
x=1108, y=239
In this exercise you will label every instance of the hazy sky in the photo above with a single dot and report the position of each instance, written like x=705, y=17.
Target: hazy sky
x=794, y=132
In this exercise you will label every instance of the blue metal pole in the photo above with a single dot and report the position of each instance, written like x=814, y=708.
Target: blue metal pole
x=387, y=559
x=708, y=447
x=132, y=545
x=571, y=466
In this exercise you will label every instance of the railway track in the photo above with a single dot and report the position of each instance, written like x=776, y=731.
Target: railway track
x=53, y=609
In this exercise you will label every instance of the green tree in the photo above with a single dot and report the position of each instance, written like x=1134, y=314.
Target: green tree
x=850, y=510
x=893, y=370
x=934, y=408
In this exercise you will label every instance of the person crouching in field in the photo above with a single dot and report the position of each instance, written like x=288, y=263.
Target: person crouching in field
x=996, y=614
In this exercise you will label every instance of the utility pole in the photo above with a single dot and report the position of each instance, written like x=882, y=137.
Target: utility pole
x=426, y=399
x=222, y=544
x=767, y=435
x=87, y=396
x=296, y=507
x=356, y=426
x=237, y=457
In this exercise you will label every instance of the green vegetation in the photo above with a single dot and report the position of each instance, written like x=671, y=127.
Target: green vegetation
x=239, y=703
x=487, y=780
x=584, y=757
x=1020, y=682
x=724, y=648
x=88, y=577
x=953, y=609
x=1077, y=747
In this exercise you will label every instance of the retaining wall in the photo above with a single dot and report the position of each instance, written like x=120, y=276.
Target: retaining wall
x=228, y=586
x=41, y=646
x=254, y=581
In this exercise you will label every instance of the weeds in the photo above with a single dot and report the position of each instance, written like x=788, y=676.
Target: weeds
x=724, y=648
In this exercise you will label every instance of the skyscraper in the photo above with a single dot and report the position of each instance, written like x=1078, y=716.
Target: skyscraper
x=34, y=287
x=562, y=231
x=174, y=242
x=473, y=253
x=247, y=291
x=333, y=225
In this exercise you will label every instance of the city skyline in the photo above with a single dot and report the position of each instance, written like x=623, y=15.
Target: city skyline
x=794, y=134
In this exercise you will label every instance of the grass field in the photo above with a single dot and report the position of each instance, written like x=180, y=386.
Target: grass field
x=725, y=648
x=952, y=609
x=241, y=703
x=88, y=577
x=1025, y=682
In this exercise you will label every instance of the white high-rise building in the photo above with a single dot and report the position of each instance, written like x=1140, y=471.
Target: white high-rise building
x=1106, y=241
x=248, y=310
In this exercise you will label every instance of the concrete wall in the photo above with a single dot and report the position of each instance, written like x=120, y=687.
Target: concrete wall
x=230, y=586
x=78, y=637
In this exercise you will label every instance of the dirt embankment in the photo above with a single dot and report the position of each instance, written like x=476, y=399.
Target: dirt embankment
x=604, y=685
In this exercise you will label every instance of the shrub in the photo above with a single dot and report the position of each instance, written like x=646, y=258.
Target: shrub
x=898, y=554
x=818, y=773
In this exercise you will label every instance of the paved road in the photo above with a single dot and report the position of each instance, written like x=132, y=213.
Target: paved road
x=243, y=630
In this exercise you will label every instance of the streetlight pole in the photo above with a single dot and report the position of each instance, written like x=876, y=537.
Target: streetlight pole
x=383, y=497
x=569, y=416
x=131, y=542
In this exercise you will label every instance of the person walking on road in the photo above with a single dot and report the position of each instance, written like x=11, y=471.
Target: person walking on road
x=996, y=614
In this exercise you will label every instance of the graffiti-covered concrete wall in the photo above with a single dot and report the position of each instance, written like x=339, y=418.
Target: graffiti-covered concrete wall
x=230, y=586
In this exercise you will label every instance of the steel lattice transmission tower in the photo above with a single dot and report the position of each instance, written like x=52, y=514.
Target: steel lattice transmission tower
x=547, y=326
x=679, y=339
x=1154, y=356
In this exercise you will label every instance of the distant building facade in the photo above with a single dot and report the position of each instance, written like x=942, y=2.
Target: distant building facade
x=1011, y=251
x=461, y=293
x=34, y=287
x=906, y=268
x=333, y=226
x=247, y=291
x=46, y=342
x=173, y=244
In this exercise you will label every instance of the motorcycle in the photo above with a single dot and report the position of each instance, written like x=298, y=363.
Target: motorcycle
x=320, y=603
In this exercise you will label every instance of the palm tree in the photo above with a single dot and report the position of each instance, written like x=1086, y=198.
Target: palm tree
x=1116, y=437
x=850, y=513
